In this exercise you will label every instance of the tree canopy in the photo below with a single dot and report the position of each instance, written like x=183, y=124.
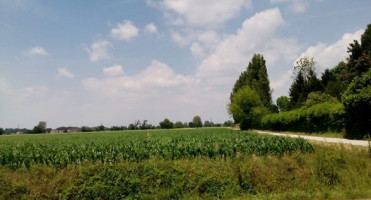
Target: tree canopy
x=256, y=77
x=247, y=108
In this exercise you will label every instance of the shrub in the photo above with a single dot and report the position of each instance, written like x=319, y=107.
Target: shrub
x=357, y=103
x=246, y=108
x=318, y=118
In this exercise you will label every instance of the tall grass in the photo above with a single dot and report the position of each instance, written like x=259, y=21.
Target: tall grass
x=333, y=172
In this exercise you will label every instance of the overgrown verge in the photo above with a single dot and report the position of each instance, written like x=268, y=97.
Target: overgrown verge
x=330, y=172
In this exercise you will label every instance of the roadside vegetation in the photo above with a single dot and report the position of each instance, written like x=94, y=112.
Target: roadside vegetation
x=338, y=101
x=213, y=163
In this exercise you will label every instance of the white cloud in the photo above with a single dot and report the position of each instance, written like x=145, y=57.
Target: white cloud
x=99, y=50
x=209, y=13
x=125, y=31
x=5, y=87
x=36, y=90
x=179, y=39
x=296, y=6
x=36, y=51
x=232, y=54
x=208, y=37
x=65, y=72
x=115, y=70
x=151, y=28
x=329, y=55
x=197, y=51
x=156, y=76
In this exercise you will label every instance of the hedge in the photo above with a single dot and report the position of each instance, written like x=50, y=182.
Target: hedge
x=322, y=117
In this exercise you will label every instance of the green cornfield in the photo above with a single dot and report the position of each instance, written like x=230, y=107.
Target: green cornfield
x=61, y=150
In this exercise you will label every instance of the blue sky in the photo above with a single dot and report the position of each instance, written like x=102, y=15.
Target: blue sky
x=113, y=62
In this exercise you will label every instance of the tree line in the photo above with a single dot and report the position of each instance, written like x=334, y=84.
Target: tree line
x=196, y=122
x=338, y=100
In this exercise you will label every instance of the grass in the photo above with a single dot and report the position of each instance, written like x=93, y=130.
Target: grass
x=325, y=134
x=331, y=171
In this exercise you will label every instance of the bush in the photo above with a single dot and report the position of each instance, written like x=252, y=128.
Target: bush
x=357, y=103
x=318, y=118
x=246, y=108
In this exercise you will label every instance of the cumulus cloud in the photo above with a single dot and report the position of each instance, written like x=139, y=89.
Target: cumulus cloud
x=64, y=72
x=209, y=13
x=156, y=76
x=115, y=70
x=125, y=31
x=329, y=55
x=36, y=51
x=196, y=50
x=151, y=28
x=256, y=35
x=179, y=39
x=99, y=50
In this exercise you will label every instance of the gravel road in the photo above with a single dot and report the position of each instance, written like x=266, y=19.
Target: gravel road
x=321, y=139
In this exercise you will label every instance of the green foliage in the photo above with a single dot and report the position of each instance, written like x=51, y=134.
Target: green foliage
x=247, y=108
x=86, y=129
x=315, y=98
x=1, y=131
x=74, y=149
x=283, y=103
x=256, y=78
x=99, y=128
x=330, y=172
x=305, y=82
x=166, y=124
x=40, y=128
x=323, y=117
x=196, y=122
x=357, y=103
x=228, y=123
x=178, y=125
x=366, y=40
x=208, y=124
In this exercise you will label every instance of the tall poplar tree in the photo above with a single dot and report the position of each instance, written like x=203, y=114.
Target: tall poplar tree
x=256, y=78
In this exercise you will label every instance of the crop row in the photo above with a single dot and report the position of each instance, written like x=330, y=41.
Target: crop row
x=224, y=144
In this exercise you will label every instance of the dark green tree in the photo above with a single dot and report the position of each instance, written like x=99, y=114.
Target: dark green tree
x=357, y=104
x=296, y=92
x=208, y=124
x=197, y=123
x=1, y=131
x=100, y=128
x=256, y=77
x=178, y=124
x=40, y=128
x=283, y=103
x=359, y=60
x=86, y=129
x=228, y=123
x=305, y=82
x=166, y=124
x=131, y=127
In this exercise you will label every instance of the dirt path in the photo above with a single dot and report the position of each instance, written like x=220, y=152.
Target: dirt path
x=321, y=139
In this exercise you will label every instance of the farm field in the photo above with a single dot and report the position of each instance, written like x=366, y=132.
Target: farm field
x=179, y=164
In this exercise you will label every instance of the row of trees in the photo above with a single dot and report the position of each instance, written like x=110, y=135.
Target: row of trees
x=348, y=84
x=195, y=123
